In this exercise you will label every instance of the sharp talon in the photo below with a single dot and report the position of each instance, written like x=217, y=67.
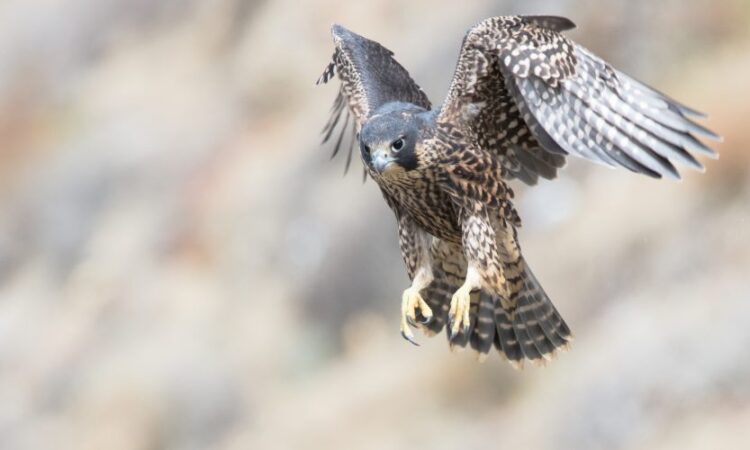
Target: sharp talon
x=408, y=338
x=412, y=304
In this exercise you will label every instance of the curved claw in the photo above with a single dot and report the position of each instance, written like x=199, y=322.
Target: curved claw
x=425, y=319
x=409, y=338
x=453, y=329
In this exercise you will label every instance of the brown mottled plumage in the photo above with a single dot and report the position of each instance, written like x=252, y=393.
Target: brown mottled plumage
x=522, y=98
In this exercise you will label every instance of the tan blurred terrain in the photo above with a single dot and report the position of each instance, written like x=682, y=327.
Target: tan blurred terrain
x=182, y=267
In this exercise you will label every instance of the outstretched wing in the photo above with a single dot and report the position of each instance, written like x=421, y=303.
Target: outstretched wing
x=370, y=77
x=533, y=96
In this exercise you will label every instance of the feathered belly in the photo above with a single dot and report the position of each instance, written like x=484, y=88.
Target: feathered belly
x=432, y=209
x=443, y=227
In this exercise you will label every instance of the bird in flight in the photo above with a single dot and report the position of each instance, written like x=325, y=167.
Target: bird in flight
x=523, y=97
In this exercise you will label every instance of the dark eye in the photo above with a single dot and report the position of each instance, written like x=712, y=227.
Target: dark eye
x=367, y=150
x=398, y=144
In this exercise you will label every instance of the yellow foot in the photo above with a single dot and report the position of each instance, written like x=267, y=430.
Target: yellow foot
x=458, y=315
x=410, y=302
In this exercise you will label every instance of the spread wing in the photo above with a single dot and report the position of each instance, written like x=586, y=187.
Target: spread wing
x=370, y=77
x=533, y=96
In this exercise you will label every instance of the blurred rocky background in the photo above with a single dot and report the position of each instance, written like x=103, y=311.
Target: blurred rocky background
x=181, y=267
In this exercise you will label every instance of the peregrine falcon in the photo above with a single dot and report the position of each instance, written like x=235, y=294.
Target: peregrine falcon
x=522, y=98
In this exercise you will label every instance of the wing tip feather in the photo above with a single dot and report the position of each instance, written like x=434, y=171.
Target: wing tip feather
x=555, y=23
x=338, y=30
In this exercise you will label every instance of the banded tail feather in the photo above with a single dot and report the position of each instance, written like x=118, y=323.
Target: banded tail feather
x=525, y=326
x=528, y=326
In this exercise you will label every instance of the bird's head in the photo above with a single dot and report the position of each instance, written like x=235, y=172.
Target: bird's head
x=388, y=140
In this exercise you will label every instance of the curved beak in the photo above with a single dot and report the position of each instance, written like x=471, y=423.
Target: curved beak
x=383, y=161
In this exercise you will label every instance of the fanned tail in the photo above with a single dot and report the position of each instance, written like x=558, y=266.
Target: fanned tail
x=525, y=326
x=529, y=326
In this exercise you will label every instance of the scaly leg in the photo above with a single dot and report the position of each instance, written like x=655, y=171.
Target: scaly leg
x=458, y=315
x=411, y=301
x=484, y=269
